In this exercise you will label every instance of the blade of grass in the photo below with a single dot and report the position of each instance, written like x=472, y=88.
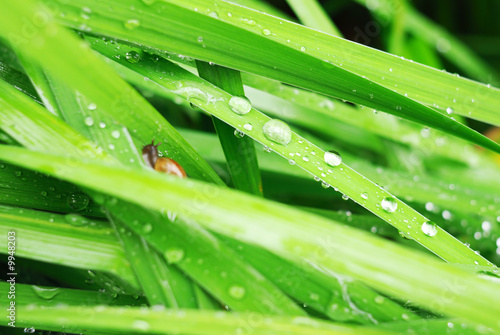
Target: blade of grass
x=240, y=153
x=311, y=14
x=348, y=181
x=357, y=254
x=343, y=76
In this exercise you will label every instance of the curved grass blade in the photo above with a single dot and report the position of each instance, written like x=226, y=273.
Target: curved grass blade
x=302, y=153
x=123, y=321
x=385, y=266
x=80, y=69
x=305, y=68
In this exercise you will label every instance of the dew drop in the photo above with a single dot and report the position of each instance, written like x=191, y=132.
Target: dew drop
x=92, y=106
x=248, y=126
x=132, y=57
x=78, y=201
x=200, y=39
x=332, y=158
x=147, y=228
x=429, y=228
x=449, y=110
x=237, y=292
x=292, y=162
x=239, y=133
x=141, y=325
x=277, y=131
x=89, y=121
x=303, y=49
x=115, y=134
x=364, y=195
x=76, y=220
x=379, y=299
x=45, y=293
x=174, y=255
x=30, y=330
x=132, y=24
x=389, y=204
x=266, y=32
x=240, y=105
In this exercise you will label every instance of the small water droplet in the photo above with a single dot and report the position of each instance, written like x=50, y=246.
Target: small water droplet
x=30, y=330
x=141, y=325
x=78, y=201
x=379, y=299
x=248, y=126
x=389, y=204
x=200, y=39
x=132, y=24
x=303, y=49
x=240, y=105
x=266, y=149
x=277, y=131
x=115, y=134
x=364, y=195
x=132, y=57
x=102, y=124
x=92, y=106
x=266, y=32
x=76, y=220
x=147, y=228
x=305, y=158
x=237, y=292
x=174, y=255
x=332, y=158
x=449, y=110
x=89, y=121
x=429, y=228
x=292, y=162
x=45, y=293
x=239, y=133
x=324, y=184
x=345, y=197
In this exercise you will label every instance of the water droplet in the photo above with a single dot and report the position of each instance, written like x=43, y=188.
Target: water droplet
x=237, y=292
x=305, y=158
x=332, y=158
x=89, y=121
x=200, y=39
x=449, y=110
x=266, y=32
x=30, y=330
x=429, y=228
x=174, y=255
x=292, y=162
x=78, y=201
x=240, y=105
x=266, y=149
x=132, y=57
x=277, y=131
x=345, y=197
x=248, y=126
x=324, y=184
x=389, y=204
x=147, y=228
x=486, y=225
x=364, y=195
x=45, y=293
x=379, y=299
x=115, y=134
x=76, y=220
x=92, y=106
x=303, y=49
x=132, y=24
x=239, y=133
x=314, y=296
x=102, y=124
x=141, y=325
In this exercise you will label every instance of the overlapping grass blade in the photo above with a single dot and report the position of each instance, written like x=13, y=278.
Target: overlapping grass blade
x=357, y=254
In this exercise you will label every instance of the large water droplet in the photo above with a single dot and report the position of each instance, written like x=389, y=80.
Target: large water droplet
x=132, y=57
x=76, y=220
x=237, y=292
x=78, y=201
x=240, y=105
x=429, y=228
x=277, y=131
x=332, y=158
x=45, y=293
x=389, y=204
x=174, y=255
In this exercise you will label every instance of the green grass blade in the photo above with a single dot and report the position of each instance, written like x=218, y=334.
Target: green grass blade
x=357, y=254
x=343, y=76
x=101, y=86
x=311, y=14
x=81, y=319
x=348, y=181
x=240, y=153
